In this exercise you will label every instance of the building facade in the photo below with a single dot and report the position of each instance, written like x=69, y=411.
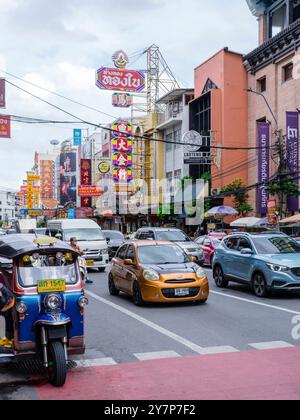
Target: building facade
x=274, y=74
x=8, y=205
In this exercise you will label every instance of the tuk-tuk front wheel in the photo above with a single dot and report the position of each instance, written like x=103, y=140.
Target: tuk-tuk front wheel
x=57, y=364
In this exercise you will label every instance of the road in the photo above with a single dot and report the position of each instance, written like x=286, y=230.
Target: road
x=234, y=328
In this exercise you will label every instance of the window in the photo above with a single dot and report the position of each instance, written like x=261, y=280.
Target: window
x=244, y=244
x=177, y=138
x=122, y=252
x=296, y=10
x=262, y=84
x=130, y=253
x=169, y=139
x=287, y=72
x=232, y=243
x=177, y=174
x=278, y=20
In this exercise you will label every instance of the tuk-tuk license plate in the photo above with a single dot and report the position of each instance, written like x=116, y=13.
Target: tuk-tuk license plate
x=48, y=286
x=90, y=263
x=182, y=292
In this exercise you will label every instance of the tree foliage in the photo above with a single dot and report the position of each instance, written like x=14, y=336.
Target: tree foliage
x=238, y=190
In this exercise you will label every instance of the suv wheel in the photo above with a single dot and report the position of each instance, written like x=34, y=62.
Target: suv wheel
x=259, y=285
x=219, y=277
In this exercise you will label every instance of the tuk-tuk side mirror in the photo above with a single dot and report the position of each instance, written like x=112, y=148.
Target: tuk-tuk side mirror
x=58, y=236
x=128, y=262
x=108, y=240
x=194, y=259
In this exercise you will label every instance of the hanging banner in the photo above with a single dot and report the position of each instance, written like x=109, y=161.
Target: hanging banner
x=77, y=137
x=5, y=126
x=86, y=180
x=122, y=100
x=263, y=130
x=120, y=80
x=68, y=181
x=292, y=136
x=2, y=93
x=47, y=179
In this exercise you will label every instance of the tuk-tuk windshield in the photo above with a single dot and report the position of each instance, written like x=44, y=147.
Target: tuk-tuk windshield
x=41, y=267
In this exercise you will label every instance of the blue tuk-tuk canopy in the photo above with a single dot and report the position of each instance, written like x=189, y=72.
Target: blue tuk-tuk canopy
x=258, y=7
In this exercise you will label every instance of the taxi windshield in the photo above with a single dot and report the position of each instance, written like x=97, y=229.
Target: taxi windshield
x=46, y=267
x=162, y=254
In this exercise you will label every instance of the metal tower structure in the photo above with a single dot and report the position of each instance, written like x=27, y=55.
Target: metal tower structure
x=160, y=80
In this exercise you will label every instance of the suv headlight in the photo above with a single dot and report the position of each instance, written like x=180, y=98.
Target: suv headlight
x=151, y=275
x=278, y=268
x=53, y=302
x=103, y=251
x=200, y=273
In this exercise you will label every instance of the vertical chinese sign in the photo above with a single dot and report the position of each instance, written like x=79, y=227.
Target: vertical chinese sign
x=122, y=154
x=263, y=130
x=86, y=180
x=5, y=131
x=47, y=183
x=2, y=93
x=292, y=126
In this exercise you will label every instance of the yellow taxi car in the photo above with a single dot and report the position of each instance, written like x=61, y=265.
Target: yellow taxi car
x=152, y=271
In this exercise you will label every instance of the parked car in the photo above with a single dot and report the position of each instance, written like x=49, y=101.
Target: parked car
x=2, y=232
x=153, y=271
x=114, y=240
x=89, y=236
x=172, y=235
x=266, y=261
x=209, y=244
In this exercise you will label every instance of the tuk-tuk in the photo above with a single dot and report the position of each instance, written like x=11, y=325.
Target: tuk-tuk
x=47, y=320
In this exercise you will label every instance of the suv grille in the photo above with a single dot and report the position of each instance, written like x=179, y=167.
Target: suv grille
x=296, y=271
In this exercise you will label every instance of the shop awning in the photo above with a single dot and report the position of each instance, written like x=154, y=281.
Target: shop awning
x=247, y=222
x=291, y=220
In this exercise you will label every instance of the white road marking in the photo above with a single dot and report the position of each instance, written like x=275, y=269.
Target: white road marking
x=94, y=363
x=156, y=355
x=156, y=327
x=271, y=345
x=220, y=349
x=254, y=302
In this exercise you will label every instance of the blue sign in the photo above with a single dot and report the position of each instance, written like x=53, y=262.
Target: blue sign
x=71, y=214
x=77, y=137
x=23, y=212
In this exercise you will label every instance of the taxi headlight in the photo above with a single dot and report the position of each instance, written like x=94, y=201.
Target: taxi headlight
x=83, y=301
x=151, y=275
x=21, y=307
x=200, y=273
x=53, y=302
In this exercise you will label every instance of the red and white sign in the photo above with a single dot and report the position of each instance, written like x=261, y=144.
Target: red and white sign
x=122, y=159
x=120, y=80
x=90, y=191
x=2, y=93
x=122, y=145
x=5, y=126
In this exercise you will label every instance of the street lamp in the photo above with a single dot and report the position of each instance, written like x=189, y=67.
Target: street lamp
x=250, y=90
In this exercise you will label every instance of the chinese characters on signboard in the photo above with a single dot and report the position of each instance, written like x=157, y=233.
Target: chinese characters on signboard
x=85, y=181
x=47, y=187
x=5, y=131
x=122, y=155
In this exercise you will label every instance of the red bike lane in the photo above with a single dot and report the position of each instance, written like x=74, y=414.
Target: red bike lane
x=258, y=375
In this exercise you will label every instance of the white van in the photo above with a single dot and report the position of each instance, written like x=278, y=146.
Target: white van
x=89, y=236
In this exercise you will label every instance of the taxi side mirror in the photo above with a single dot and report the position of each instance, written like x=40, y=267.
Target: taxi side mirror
x=128, y=262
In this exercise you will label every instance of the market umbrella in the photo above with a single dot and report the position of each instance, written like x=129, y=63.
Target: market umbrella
x=246, y=222
x=222, y=211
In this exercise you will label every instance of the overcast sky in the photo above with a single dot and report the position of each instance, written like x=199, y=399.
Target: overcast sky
x=59, y=44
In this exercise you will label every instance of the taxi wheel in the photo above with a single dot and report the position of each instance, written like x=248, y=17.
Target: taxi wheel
x=58, y=364
x=137, y=295
x=112, y=288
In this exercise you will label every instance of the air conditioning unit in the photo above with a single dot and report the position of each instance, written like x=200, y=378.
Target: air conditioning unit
x=215, y=192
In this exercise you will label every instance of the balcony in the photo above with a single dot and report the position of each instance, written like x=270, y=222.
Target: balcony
x=169, y=118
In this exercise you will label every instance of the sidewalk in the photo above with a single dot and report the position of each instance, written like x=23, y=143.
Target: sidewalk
x=271, y=374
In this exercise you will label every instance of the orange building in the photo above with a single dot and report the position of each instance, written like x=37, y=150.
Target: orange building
x=219, y=113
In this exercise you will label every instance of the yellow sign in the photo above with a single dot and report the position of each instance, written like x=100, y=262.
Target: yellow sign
x=104, y=167
x=33, y=177
x=48, y=286
x=34, y=213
